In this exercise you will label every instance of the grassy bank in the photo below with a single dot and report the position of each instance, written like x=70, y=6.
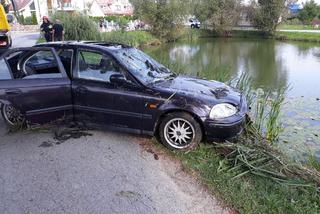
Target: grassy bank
x=295, y=27
x=252, y=34
x=133, y=38
x=249, y=193
x=298, y=36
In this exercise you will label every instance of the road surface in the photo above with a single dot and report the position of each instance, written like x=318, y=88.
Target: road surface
x=23, y=39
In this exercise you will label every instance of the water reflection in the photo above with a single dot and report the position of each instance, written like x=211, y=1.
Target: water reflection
x=271, y=64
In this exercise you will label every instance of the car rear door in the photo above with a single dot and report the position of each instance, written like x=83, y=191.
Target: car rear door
x=34, y=81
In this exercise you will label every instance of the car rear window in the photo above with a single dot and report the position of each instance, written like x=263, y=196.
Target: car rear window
x=4, y=71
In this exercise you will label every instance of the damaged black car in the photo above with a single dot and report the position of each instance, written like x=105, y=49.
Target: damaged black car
x=118, y=87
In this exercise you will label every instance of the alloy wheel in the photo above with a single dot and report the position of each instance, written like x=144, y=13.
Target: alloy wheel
x=179, y=133
x=12, y=115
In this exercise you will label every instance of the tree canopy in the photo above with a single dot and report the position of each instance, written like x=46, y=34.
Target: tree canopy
x=165, y=17
x=310, y=11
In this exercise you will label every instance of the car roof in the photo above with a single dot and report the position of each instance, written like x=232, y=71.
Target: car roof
x=84, y=44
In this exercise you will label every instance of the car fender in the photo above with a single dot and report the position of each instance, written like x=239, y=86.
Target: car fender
x=4, y=102
x=195, y=108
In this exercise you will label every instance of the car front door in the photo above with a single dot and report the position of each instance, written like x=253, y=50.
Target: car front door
x=34, y=81
x=98, y=100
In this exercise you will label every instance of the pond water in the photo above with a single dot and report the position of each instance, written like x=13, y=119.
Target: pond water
x=271, y=65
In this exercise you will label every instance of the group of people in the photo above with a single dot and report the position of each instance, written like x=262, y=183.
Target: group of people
x=52, y=31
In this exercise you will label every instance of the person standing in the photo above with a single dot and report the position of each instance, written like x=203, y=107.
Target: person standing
x=46, y=29
x=58, y=31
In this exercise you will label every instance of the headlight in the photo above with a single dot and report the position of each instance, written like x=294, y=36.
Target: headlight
x=222, y=111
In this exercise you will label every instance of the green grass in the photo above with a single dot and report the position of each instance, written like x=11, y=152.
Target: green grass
x=298, y=36
x=133, y=38
x=41, y=40
x=295, y=27
x=248, y=193
x=253, y=34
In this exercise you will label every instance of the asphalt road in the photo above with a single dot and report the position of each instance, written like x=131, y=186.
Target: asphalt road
x=102, y=173
x=22, y=39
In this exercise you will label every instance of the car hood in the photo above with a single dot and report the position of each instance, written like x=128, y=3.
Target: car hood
x=212, y=91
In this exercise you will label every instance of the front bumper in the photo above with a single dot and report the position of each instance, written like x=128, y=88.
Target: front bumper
x=224, y=131
x=227, y=128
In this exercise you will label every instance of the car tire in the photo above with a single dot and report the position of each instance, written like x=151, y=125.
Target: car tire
x=15, y=120
x=180, y=131
x=192, y=26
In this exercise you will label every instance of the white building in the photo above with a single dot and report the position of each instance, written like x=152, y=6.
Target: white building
x=91, y=7
x=111, y=7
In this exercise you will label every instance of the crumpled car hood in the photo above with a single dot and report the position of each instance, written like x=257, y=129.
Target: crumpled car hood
x=201, y=88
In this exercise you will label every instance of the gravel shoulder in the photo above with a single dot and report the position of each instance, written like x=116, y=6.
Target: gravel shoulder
x=102, y=173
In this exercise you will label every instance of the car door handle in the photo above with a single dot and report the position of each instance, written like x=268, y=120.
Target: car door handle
x=81, y=90
x=13, y=91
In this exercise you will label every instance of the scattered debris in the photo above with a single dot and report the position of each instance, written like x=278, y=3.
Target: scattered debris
x=64, y=132
x=156, y=156
x=46, y=144
x=128, y=194
x=62, y=135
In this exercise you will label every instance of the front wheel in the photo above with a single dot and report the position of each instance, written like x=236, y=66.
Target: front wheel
x=180, y=131
x=12, y=116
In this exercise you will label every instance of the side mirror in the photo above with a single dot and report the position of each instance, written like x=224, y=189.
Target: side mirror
x=10, y=18
x=118, y=79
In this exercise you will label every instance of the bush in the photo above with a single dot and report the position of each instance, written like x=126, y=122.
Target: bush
x=294, y=21
x=78, y=26
x=133, y=38
x=29, y=21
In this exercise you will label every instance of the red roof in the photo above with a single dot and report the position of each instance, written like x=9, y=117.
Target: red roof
x=20, y=4
x=106, y=6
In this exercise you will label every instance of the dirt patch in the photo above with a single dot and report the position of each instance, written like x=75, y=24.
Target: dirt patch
x=187, y=180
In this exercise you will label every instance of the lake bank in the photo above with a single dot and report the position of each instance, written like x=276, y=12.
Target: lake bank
x=304, y=36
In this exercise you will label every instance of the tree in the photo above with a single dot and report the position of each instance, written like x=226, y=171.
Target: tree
x=267, y=14
x=165, y=17
x=222, y=15
x=310, y=11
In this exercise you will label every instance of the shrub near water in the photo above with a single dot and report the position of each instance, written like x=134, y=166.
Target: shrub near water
x=78, y=26
x=133, y=38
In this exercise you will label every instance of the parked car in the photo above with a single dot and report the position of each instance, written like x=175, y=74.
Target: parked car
x=119, y=87
x=194, y=23
x=5, y=34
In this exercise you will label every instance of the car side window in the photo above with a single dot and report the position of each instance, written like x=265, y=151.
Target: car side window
x=4, y=70
x=41, y=64
x=96, y=66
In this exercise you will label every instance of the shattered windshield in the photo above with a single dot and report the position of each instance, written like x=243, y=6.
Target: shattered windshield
x=142, y=66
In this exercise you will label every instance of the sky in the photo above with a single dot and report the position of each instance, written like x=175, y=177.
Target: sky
x=299, y=1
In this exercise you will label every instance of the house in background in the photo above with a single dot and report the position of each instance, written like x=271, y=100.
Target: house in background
x=24, y=7
x=91, y=7
x=110, y=7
